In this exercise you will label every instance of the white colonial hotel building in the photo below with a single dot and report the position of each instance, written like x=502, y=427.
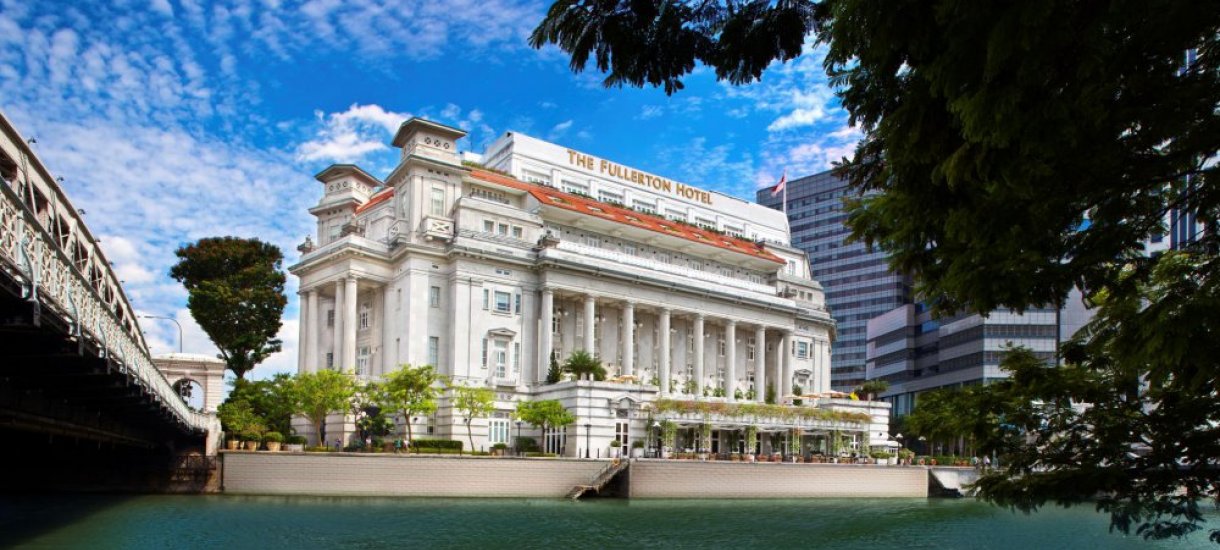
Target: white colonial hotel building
x=484, y=275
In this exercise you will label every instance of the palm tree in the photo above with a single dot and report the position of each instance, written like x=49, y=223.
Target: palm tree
x=581, y=364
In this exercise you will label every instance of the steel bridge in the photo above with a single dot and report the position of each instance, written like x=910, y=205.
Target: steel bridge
x=80, y=397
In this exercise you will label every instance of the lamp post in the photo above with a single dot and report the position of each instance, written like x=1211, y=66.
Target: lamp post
x=168, y=319
x=898, y=436
x=657, y=425
x=588, y=428
x=517, y=442
x=923, y=443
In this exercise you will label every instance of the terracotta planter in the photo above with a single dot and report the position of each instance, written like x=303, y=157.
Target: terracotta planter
x=273, y=446
x=233, y=444
x=294, y=448
x=637, y=452
x=251, y=445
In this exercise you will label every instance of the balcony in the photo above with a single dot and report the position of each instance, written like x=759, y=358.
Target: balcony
x=436, y=228
x=722, y=414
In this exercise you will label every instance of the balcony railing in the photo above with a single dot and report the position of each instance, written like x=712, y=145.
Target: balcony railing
x=435, y=227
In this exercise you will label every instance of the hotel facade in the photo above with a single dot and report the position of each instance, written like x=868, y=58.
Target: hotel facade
x=693, y=300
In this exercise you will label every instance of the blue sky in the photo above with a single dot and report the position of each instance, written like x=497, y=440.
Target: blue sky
x=172, y=120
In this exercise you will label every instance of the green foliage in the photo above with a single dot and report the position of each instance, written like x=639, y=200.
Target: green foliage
x=554, y=374
x=690, y=387
x=751, y=438
x=637, y=444
x=295, y=440
x=944, y=415
x=669, y=433
x=718, y=392
x=472, y=403
x=751, y=394
x=797, y=390
x=235, y=291
x=738, y=395
x=317, y=394
x=270, y=400
x=755, y=411
x=870, y=389
x=582, y=364
x=526, y=444
x=409, y=391
x=238, y=417
x=374, y=426
x=273, y=437
x=435, y=445
x=769, y=397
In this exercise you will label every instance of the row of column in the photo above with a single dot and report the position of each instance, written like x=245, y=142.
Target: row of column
x=344, y=344
x=627, y=361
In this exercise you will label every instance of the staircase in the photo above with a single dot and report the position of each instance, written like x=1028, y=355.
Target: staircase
x=605, y=477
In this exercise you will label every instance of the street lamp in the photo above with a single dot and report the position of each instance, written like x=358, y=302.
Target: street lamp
x=517, y=442
x=168, y=319
x=588, y=427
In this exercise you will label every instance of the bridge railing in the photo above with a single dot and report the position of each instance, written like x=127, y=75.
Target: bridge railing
x=30, y=255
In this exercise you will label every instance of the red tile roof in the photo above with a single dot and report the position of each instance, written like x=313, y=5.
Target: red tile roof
x=377, y=198
x=584, y=205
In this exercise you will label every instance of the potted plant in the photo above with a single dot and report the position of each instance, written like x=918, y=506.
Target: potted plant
x=499, y=449
x=273, y=440
x=233, y=442
x=637, y=448
x=705, y=440
x=252, y=440
x=669, y=435
x=294, y=443
x=751, y=442
x=616, y=447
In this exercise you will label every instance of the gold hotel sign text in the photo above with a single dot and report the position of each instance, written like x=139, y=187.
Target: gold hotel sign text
x=637, y=177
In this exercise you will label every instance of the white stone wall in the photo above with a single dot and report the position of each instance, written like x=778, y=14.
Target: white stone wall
x=689, y=479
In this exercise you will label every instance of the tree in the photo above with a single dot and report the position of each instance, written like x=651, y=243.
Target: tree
x=581, y=364
x=871, y=388
x=472, y=403
x=555, y=373
x=238, y=417
x=946, y=415
x=1012, y=152
x=410, y=391
x=270, y=400
x=235, y=291
x=547, y=413
x=318, y=394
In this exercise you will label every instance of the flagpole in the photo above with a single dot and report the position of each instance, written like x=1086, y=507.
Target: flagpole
x=785, y=193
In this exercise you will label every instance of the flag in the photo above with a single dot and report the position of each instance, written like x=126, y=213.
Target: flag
x=779, y=187
x=854, y=397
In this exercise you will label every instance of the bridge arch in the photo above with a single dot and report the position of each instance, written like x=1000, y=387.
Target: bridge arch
x=205, y=371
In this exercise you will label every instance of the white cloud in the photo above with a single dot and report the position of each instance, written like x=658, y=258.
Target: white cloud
x=558, y=130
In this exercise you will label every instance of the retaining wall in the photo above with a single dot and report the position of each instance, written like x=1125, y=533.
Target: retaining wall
x=392, y=475
x=689, y=479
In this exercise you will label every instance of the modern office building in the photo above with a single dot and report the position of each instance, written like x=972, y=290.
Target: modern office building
x=858, y=282
x=915, y=351
x=485, y=269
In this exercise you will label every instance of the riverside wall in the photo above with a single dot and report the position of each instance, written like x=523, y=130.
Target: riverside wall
x=688, y=479
x=342, y=474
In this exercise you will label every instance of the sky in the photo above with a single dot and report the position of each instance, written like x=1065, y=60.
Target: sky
x=173, y=120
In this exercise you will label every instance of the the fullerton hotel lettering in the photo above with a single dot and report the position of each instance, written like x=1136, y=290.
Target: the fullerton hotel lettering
x=637, y=177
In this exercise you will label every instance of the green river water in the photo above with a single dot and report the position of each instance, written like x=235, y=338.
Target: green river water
x=91, y=521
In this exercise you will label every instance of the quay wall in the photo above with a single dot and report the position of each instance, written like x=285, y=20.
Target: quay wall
x=688, y=479
x=342, y=474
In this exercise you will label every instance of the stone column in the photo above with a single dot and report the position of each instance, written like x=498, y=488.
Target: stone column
x=781, y=362
x=730, y=358
x=337, y=342
x=545, y=333
x=302, y=332
x=590, y=318
x=389, y=320
x=760, y=365
x=628, y=335
x=309, y=345
x=699, y=344
x=663, y=331
x=349, y=324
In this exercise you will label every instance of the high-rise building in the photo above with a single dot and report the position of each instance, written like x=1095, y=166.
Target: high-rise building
x=858, y=282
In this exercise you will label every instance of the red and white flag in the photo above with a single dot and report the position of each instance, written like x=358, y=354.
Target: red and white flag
x=779, y=187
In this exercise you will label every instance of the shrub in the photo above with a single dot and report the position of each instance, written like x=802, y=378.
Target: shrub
x=251, y=436
x=541, y=455
x=500, y=446
x=527, y=444
x=637, y=444
x=295, y=440
x=881, y=455
x=436, y=444
x=273, y=437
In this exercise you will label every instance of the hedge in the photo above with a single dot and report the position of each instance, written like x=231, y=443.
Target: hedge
x=436, y=444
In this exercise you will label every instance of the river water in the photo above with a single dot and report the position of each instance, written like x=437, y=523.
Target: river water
x=228, y=522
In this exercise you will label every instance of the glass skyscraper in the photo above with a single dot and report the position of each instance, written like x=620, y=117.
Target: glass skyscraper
x=858, y=282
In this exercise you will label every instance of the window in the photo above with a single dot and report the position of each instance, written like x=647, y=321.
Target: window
x=362, y=361
x=802, y=350
x=554, y=440
x=366, y=316
x=434, y=296
x=330, y=359
x=593, y=241
x=629, y=249
x=330, y=317
x=609, y=196
x=517, y=233
x=535, y=177
x=503, y=229
x=644, y=206
x=517, y=303
x=438, y=201
x=484, y=363
x=489, y=226
x=503, y=302
x=516, y=357
x=332, y=230
x=750, y=349
x=677, y=215
x=576, y=188
x=497, y=430
x=500, y=357
x=434, y=350
x=720, y=346
x=486, y=296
